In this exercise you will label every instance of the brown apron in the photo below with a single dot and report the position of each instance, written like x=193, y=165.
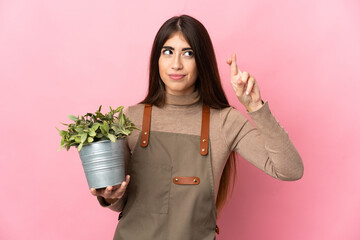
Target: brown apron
x=171, y=192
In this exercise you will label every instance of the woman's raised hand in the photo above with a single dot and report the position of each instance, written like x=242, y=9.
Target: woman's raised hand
x=112, y=193
x=245, y=86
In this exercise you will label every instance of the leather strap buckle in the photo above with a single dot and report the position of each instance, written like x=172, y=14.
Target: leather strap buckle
x=144, y=141
x=205, y=124
x=186, y=180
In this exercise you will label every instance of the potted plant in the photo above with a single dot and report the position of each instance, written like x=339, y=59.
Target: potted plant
x=99, y=139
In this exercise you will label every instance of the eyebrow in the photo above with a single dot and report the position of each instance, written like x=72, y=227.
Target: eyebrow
x=171, y=48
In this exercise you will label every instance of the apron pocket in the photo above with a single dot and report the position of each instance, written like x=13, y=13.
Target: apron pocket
x=153, y=182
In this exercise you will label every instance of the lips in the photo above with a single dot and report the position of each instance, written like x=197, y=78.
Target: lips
x=176, y=76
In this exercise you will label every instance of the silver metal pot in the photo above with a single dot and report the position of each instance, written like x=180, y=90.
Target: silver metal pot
x=103, y=163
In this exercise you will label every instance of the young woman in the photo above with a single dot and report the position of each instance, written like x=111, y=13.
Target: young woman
x=183, y=161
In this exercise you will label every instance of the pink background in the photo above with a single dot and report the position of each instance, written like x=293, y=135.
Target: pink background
x=68, y=57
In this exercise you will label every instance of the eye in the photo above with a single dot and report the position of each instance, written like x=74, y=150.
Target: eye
x=167, y=52
x=189, y=53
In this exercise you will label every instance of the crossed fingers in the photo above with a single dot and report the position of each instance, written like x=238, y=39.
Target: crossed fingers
x=242, y=82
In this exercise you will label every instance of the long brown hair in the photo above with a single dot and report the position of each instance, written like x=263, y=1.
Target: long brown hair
x=208, y=82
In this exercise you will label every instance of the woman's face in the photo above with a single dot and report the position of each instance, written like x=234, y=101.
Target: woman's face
x=177, y=66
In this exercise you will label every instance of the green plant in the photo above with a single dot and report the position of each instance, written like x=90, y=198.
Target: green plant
x=95, y=127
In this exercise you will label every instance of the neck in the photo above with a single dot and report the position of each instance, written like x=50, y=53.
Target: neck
x=182, y=100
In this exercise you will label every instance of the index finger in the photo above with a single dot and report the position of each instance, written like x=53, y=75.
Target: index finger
x=233, y=66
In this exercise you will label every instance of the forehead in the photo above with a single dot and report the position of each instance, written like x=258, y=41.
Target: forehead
x=177, y=39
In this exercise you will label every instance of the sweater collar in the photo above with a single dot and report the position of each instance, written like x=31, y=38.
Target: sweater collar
x=182, y=100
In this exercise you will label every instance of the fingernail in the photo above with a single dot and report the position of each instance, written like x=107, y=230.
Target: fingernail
x=247, y=93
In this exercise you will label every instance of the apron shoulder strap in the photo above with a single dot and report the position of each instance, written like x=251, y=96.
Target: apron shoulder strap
x=146, y=126
x=205, y=124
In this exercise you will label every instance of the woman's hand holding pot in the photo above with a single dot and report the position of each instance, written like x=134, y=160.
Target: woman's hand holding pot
x=111, y=193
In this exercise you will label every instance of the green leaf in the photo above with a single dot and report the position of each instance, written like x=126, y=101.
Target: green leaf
x=111, y=137
x=121, y=121
x=106, y=127
x=119, y=109
x=63, y=133
x=95, y=126
x=92, y=133
x=72, y=117
x=90, y=139
x=111, y=116
x=78, y=139
x=116, y=129
x=79, y=129
x=100, y=115
x=103, y=130
x=80, y=146
x=60, y=147
x=99, y=135
x=83, y=137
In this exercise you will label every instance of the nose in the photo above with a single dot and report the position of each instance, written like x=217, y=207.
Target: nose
x=177, y=63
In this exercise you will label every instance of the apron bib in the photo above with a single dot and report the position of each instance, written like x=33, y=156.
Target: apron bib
x=171, y=192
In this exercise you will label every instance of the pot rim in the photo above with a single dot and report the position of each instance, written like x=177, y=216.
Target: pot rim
x=101, y=141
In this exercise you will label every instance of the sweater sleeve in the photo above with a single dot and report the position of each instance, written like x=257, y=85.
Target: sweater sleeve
x=265, y=145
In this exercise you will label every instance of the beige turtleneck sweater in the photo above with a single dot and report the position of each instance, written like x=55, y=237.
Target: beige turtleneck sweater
x=266, y=145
